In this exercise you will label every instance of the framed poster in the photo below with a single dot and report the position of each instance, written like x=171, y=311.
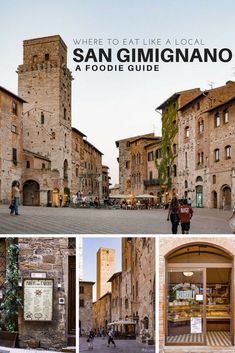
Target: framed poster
x=38, y=299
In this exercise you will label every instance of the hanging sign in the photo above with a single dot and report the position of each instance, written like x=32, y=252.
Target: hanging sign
x=38, y=299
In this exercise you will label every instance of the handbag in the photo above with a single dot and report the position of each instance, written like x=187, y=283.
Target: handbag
x=12, y=205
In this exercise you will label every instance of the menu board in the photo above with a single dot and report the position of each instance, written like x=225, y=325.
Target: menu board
x=196, y=325
x=38, y=299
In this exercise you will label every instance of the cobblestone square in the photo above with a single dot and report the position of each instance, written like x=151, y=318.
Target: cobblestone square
x=43, y=220
x=122, y=346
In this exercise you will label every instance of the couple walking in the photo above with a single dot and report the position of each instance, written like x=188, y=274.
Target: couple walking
x=15, y=198
x=180, y=213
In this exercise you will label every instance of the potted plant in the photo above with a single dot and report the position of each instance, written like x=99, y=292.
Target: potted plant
x=12, y=301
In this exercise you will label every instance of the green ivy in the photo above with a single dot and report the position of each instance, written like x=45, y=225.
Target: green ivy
x=12, y=301
x=169, y=131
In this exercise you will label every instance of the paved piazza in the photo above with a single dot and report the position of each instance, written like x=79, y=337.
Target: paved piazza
x=122, y=346
x=43, y=220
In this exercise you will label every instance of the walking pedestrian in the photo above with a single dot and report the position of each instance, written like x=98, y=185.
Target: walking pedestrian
x=173, y=215
x=60, y=200
x=185, y=215
x=15, y=198
x=110, y=338
x=90, y=339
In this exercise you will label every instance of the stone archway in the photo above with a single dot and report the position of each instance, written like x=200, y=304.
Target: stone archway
x=31, y=193
x=226, y=199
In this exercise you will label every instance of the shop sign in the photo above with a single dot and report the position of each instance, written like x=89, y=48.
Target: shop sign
x=185, y=294
x=38, y=299
x=196, y=325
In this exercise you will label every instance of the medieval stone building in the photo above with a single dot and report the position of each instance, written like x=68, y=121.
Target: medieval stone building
x=85, y=307
x=11, y=147
x=49, y=157
x=131, y=299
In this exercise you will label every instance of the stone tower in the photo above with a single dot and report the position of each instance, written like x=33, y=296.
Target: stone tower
x=105, y=267
x=44, y=81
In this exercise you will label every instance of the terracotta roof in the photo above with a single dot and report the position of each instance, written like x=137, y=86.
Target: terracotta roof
x=12, y=94
x=202, y=94
x=221, y=104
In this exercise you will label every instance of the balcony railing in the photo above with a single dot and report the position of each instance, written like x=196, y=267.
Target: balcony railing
x=151, y=182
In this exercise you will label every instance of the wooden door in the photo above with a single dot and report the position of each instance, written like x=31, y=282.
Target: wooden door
x=72, y=296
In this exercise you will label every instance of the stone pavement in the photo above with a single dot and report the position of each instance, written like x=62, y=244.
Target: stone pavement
x=19, y=350
x=122, y=346
x=43, y=220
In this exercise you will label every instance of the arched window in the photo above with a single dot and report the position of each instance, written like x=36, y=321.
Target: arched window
x=217, y=120
x=228, y=152
x=201, y=126
x=199, y=179
x=186, y=132
x=216, y=154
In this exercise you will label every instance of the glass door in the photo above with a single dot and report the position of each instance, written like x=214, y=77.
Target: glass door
x=185, y=306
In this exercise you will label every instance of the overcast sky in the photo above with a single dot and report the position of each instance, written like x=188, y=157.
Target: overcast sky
x=110, y=106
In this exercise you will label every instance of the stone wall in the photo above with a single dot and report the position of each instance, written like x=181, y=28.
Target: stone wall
x=105, y=267
x=85, y=312
x=48, y=255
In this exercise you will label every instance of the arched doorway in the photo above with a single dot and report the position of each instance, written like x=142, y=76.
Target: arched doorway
x=214, y=199
x=31, y=193
x=55, y=197
x=226, y=197
x=199, y=196
x=199, y=304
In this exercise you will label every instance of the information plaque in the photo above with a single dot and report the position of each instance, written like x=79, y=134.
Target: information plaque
x=38, y=299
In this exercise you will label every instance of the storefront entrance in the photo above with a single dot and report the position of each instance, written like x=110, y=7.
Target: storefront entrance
x=198, y=297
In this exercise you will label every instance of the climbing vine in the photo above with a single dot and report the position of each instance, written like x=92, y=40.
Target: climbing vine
x=169, y=131
x=12, y=301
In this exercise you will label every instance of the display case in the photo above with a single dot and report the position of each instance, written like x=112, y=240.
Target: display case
x=218, y=311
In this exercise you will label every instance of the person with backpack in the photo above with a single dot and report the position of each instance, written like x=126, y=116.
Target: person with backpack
x=173, y=215
x=110, y=338
x=185, y=215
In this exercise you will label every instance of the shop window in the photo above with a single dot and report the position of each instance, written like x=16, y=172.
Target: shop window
x=214, y=179
x=186, y=132
x=216, y=155
x=228, y=152
x=217, y=120
x=14, y=108
x=27, y=164
x=226, y=117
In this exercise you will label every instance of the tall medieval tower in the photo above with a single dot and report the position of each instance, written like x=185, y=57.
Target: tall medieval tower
x=44, y=81
x=105, y=267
